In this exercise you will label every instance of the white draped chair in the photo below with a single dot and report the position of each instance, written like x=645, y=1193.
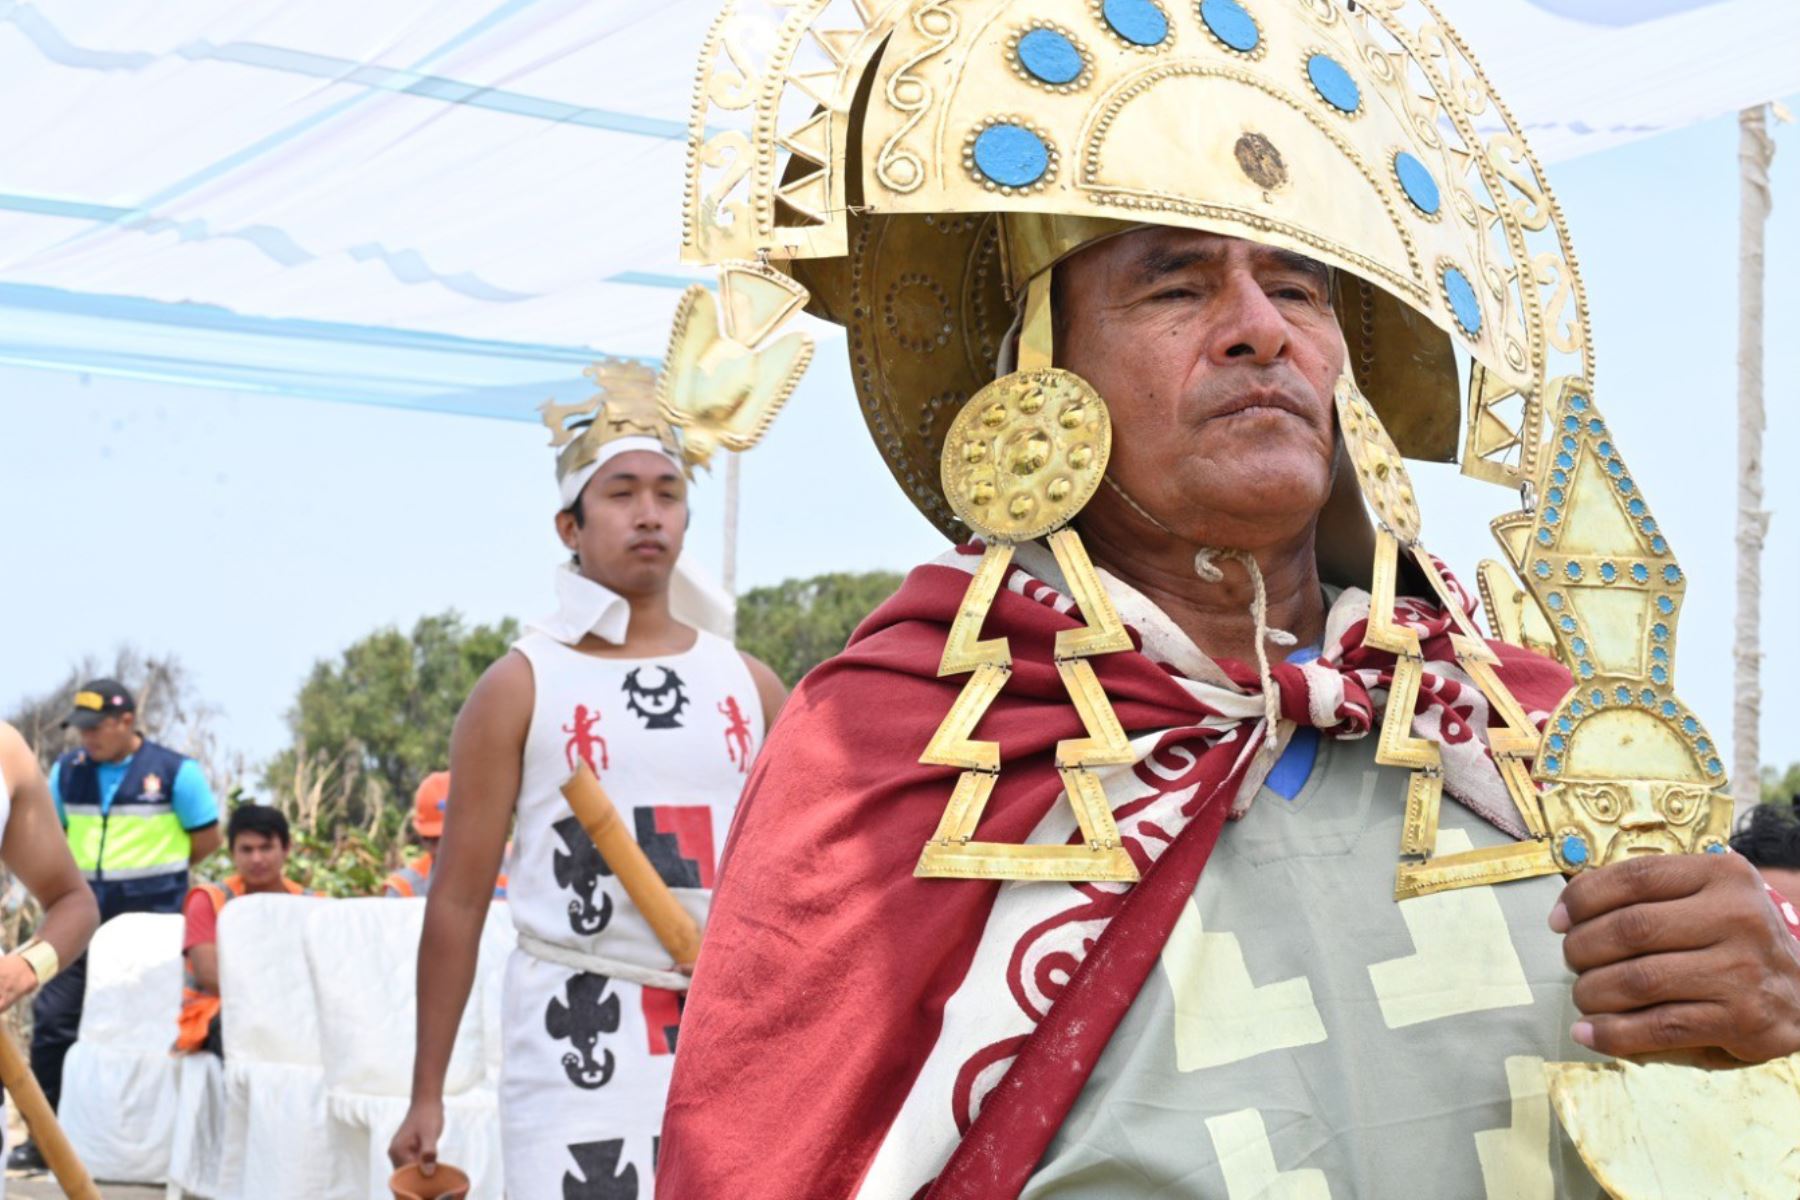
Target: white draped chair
x=198, y=1154
x=363, y=956
x=119, y=1081
x=277, y=1144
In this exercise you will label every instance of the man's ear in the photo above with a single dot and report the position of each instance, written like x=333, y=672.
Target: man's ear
x=566, y=529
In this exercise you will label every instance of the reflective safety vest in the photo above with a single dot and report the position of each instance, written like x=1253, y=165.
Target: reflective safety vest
x=199, y=1006
x=138, y=835
x=414, y=879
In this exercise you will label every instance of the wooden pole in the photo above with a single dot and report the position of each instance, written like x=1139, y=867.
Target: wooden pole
x=1756, y=151
x=733, y=468
x=675, y=927
x=40, y=1118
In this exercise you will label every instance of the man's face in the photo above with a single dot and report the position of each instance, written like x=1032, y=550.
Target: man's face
x=634, y=519
x=1217, y=358
x=259, y=858
x=112, y=739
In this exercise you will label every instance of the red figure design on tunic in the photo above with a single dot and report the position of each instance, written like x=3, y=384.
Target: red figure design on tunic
x=737, y=734
x=583, y=740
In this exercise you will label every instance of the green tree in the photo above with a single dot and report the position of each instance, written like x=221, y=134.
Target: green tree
x=380, y=714
x=170, y=708
x=799, y=624
x=1780, y=787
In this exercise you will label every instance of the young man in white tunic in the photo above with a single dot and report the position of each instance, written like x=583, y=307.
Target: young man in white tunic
x=624, y=677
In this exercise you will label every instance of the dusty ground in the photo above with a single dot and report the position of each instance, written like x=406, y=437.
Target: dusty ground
x=43, y=1187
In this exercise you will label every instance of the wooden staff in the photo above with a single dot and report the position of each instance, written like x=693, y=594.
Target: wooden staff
x=40, y=1118
x=675, y=928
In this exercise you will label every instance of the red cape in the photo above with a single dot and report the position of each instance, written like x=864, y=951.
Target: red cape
x=827, y=965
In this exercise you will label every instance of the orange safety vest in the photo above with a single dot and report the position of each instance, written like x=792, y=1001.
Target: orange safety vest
x=198, y=1006
x=414, y=879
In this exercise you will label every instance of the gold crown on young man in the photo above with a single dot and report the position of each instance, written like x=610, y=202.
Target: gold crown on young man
x=623, y=405
x=725, y=377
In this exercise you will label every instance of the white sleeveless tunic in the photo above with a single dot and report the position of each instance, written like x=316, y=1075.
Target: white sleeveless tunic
x=588, y=1055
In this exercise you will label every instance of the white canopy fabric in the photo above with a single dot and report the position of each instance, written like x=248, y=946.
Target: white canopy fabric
x=458, y=204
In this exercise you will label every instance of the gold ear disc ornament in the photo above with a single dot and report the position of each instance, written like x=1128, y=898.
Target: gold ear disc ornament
x=1379, y=468
x=1026, y=454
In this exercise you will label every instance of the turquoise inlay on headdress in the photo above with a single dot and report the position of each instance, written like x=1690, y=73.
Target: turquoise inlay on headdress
x=1422, y=190
x=1463, y=302
x=1139, y=22
x=1334, y=83
x=1011, y=155
x=1050, y=57
x=1231, y=24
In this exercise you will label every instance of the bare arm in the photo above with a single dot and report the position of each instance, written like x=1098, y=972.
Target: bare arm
x=486, y=756
x=204, y=960
x=37, y=852
x=202, y=842
x=769, y=689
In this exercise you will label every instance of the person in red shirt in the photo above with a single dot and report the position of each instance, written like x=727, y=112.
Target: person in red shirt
x=259, y=841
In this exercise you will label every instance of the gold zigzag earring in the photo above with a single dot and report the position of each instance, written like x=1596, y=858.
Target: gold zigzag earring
x=1021, y=460
x=1387, y=489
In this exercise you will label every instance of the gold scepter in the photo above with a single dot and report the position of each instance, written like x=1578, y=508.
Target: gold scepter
x=675, y=928
x=40, y=1118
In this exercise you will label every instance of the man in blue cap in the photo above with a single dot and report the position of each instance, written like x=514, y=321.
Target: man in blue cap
x=137, y=814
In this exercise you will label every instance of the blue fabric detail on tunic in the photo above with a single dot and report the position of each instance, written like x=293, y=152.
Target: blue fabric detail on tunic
x=1295, y=766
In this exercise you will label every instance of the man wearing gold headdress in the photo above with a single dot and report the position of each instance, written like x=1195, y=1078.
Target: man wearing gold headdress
x=631, y=678
x=1075, y=875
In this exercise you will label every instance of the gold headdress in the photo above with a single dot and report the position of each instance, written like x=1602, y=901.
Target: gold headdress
x=920, y=164
x=916, y=162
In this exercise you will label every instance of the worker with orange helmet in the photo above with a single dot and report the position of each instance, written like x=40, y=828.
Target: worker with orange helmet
x=414, y=879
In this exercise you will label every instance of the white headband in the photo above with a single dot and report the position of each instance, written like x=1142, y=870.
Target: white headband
x=572, y=483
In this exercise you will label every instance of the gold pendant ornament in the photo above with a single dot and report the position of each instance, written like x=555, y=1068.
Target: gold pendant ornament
x=1021, y=460
x=1026, y=455
x=726, y=375
x=1387, y=489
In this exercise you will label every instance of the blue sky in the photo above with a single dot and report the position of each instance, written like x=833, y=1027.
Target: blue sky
x=252, y=535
